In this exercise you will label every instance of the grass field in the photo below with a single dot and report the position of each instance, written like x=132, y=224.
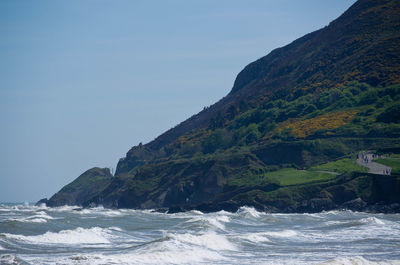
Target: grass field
x=291, y=176
x=340, y=166
x=393, y=162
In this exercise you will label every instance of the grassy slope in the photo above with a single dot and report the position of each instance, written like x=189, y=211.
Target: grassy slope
x=340, y=166
x=291, y=176
x=392, y=162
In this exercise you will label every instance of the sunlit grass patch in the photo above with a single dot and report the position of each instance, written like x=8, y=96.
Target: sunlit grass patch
x=292, y=176
x=340, y=166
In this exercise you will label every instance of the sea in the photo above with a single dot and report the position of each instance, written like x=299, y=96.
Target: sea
x=72, y=235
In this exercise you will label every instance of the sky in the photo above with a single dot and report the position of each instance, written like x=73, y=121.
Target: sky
x=83, y=81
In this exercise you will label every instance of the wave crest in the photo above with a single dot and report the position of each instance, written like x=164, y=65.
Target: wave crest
x=357, y=260
x=249, y=212
x=95, y=235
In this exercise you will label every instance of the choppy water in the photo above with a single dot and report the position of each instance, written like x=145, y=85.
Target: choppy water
x=71, y=235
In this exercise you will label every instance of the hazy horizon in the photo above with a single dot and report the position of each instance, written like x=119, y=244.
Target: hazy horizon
x=82, y=81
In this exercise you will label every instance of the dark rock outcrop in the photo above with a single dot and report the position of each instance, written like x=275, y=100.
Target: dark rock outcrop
x=87, y=185
x=42, y=201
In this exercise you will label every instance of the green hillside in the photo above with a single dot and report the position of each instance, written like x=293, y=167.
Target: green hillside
x=285, y=138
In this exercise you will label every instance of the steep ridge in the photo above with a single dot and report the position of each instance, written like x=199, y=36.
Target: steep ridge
x=321, y=99
x=361, y=45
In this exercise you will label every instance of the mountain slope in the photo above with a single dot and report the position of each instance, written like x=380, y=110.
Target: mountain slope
x=322, y=98
x=361, y=45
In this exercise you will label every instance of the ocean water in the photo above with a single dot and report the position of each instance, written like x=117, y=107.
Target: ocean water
x=72, y=235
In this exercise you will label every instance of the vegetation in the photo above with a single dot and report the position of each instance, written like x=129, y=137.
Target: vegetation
x=291, y=176
x=326, y=122
x=345, y=111
x=83, y=188
x=311, y=104
x=393, y=162
x=340, y=166
x=253, y=152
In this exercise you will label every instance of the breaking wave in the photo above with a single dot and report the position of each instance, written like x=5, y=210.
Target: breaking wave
x=95, y=235
x=211, y=221
x=358, y=260
x=73, y=235
x=249, y=212
x=372, y=220
x=9, y=259
x=38, y=217
x=210, y=240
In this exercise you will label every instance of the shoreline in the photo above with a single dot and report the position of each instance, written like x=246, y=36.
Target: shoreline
x=357, y=205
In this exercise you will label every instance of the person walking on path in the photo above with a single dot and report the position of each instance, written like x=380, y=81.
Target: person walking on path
x=367, y=160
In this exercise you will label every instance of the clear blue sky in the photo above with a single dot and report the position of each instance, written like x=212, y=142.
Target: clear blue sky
x=83, y=81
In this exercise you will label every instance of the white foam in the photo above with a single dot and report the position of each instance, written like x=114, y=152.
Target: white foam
x=173, y=248
x=249, y=212
x=8, y=259
x=20, y=208
x=184, y=256
x=65, y=208
x=358, y=260
x=196, y=212
x=39, y=217
x=218, y=221
x=283, y=233
x=115, y=228
x=95, y=235
x=209, y=240
x=101, y=211
x=214, y=221
x=111, y=213
x=261, y=237
x=42, y=206
x=34, y=220
x=372, y=220
x=222, y=212
x=255, y=237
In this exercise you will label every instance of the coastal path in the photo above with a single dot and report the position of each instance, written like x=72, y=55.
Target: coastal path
x=367, y=160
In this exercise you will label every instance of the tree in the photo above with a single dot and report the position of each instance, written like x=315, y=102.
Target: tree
x=390, y=115
x=218, y=139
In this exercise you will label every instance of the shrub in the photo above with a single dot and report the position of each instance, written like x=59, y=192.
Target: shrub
x=390, y=115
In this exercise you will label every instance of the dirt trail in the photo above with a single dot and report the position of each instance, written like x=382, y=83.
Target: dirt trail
x=366, y=160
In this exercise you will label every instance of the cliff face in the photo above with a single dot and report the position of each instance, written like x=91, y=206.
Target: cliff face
x=320, y=99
